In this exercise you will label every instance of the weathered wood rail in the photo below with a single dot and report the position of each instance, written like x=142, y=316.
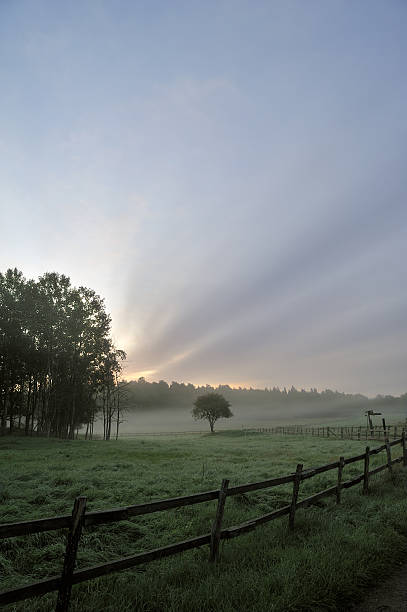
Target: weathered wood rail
x=81, y=519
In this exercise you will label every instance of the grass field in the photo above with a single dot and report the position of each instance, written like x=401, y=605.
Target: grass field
x=333, y=554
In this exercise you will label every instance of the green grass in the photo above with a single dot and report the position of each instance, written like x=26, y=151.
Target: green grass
x=333, y=554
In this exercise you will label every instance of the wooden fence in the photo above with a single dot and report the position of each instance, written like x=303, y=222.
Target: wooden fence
x=80, y=519
x=356, y=432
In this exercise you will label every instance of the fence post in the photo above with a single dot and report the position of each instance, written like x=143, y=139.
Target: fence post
x=296, y=488
x=359, y=432
x=389, y=465
x=74, y=535
x=339, y=486
x=217, y=523
x=366, y=472
x=384, y=427
x=403, y=443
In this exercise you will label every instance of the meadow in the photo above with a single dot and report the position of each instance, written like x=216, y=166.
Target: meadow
x=326, y=563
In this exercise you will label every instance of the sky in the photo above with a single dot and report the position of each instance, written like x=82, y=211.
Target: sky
x=230, y=176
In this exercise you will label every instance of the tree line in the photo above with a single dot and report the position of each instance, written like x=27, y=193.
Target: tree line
x=144, y=395
x=59, y=369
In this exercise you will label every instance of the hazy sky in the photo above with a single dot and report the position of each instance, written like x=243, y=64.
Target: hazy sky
x=231, y=176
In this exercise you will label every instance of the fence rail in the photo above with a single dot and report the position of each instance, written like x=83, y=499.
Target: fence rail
x=355, y=432
x=80, y=518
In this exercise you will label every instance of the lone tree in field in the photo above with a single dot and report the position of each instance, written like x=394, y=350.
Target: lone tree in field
x=212, y=406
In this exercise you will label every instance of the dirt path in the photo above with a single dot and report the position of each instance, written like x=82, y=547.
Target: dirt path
x=390, y=596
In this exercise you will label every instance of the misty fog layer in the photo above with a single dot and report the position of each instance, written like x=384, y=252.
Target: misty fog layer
x=159, y=407
x=180, y=420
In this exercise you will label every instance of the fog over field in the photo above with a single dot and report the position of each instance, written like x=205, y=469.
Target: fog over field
x=173, y=419
x=159, y=407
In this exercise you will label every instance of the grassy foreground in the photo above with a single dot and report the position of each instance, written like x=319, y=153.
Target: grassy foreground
x=334, y=552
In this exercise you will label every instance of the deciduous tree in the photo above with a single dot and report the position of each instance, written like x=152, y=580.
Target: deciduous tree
x=211, y=406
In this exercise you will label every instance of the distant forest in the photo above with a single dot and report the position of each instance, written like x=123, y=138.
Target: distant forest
x=143, y=395
x=59, y=369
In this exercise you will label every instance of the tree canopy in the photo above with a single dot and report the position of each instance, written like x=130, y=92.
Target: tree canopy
x=211, y=406
x=58, y=365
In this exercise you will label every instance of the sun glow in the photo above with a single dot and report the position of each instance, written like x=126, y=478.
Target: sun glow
x=135, y=375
